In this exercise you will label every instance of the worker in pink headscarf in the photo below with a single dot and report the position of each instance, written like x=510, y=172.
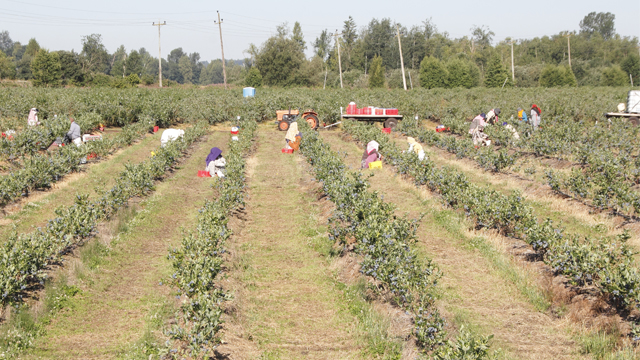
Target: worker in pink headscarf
x=33, y=117
x=370, y=154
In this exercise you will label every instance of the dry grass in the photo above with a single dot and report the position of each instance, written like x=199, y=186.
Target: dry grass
x=122, y=288
x=285, y=302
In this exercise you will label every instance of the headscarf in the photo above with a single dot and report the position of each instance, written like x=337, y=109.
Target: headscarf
x=292, y=132
x=416, y=147
x=536, y=108
x=372, y=145
x=496, y=111
x=213, y=155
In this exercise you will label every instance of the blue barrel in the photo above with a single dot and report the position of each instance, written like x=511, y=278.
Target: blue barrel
x=249, y=92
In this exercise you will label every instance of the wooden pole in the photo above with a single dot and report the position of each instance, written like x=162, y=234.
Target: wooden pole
x=404, y=80
x=569, y=49
x=224, y=68
x=159, y=52
x=339, y=61
x=513, y=72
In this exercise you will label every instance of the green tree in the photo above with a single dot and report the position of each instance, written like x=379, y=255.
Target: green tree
x=462, y=73
x=298, y=37
x=6, y=44
x=70, y=68
x=601, y=23
x=631, y=65
x=134, y=63
x=614, y=76
x=46, y=68
x=496, y=73
x=322, y=45
x=32, y=48
x=94, y=55
x=552, y=76
x=118, y=65
x=7, y=68
x=253, y=78
x=280, y=61
x=186, y=69
x=569, y=77
x=433, y=73
x=376, y=73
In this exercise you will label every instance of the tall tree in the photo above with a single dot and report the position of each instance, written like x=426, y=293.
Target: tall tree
x=349, y=37
x=7, y=68
x=70, y=68
x=94, y=55
x=322, y=45
x=134, y=64
x=433, y=73
x=118, y=62
x=46, y=68
x=496, y=73
x=32, y=48
x=376, y=73
x=298, y=37
x=631, y=65
x=186, y=70
x=6, y=44
x=601, y=23
x=280, y=61
x=482, y=37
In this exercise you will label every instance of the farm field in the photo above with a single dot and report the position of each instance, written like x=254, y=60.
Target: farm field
x=471, y=252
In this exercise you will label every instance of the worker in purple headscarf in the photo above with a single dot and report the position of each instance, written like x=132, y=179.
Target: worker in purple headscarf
x=215, y=162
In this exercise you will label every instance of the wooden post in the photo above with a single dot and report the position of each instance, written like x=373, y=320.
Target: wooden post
x=224, y=68
x=404, y=80
x=159, y=52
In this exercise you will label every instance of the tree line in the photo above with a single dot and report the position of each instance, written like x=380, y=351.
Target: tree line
x=369, y=57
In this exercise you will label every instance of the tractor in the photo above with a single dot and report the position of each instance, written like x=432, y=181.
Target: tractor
x=286, y=117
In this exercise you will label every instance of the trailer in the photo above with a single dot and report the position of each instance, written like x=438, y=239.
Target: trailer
x=630, y=110
x=390, y=119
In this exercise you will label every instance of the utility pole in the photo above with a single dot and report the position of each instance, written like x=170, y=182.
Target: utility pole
x=159, y=51
x=513, y=73
x=569, y=48
x=224, y=68
x=339, y=61
x=404, y=80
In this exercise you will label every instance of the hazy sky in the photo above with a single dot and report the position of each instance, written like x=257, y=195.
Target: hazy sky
x=60, y=24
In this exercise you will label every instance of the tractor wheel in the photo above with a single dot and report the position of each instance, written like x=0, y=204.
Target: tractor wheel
x=312, y=120
x=391, y=123
x=634, y=121
x=283, y=125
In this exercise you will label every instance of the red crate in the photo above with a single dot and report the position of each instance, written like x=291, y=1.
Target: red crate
x=391, y=111
x=386, y=130
x=287, y=151
x=366, y=111
x=379, y=111
x=202, y=173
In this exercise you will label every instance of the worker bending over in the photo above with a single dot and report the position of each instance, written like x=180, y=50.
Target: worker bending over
x=416, y=148
x=74, y=135
x=370, y=154
x=215, y=162
x=170, y=135
x=33, y=117
x=293, y=137
x=477, y=131
x=492, y=116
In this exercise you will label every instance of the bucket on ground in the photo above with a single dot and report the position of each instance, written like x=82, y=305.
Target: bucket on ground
x=386, y=130
x=155, y=129
x=249, y=92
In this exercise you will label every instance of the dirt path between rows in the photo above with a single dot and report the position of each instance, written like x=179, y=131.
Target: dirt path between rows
x=287, y=304
x=473, y=291
x=120, y=297
x=39, y=207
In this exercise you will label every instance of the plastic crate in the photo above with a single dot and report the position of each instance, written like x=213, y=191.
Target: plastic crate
x=386, y=130
x=379, y=111
x=202, y=173
x=366, y=111
x=391, y=111
x=287, y=151
x=375, y=165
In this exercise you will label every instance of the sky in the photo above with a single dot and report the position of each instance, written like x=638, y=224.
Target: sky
x=192, y=25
